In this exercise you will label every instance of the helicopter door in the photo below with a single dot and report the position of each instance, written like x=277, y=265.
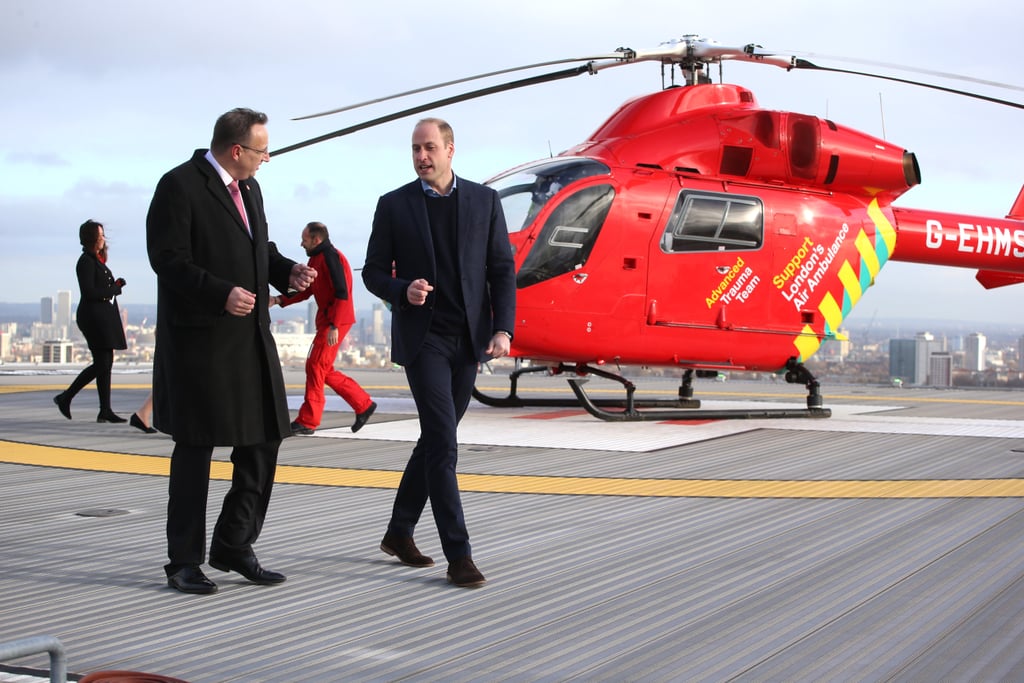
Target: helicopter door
x=703, y=266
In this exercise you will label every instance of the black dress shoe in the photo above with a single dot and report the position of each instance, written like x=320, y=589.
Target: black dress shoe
x=463, y=573
x=364, y=417
x=191, y=580
x=249, y=567
x=109, y=416
x=405, y=550
x=301, y=429
x=63, y=404
x=136, y=421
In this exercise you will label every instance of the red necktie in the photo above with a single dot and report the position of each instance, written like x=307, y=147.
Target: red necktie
x=237, y=196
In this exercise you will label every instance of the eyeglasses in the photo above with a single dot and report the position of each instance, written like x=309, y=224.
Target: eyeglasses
x=265, y=152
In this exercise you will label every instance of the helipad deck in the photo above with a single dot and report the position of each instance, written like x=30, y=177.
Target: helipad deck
x=884, y=543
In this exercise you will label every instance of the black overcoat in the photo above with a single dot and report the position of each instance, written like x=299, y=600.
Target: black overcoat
x=216, y=377
x=98, y=316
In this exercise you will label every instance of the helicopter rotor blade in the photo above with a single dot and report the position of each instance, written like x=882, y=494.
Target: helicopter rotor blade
x=900, y=67
x=689, y=48
x=805, y=64
x=483, y=92
x=467, y=79
x=691, y=52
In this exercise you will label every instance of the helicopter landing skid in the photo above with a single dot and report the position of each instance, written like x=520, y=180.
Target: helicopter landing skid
x=683, y=408
x=514, y=400
x=795, y=373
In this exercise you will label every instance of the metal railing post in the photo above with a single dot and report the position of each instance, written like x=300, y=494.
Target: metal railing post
x=35, y=645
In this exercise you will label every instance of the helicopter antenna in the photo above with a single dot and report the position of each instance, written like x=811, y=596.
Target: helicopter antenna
x=881, y=114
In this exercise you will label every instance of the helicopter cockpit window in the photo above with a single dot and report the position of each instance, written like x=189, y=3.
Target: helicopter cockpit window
x=525, y=191
x=568, y=235
x=714, y=222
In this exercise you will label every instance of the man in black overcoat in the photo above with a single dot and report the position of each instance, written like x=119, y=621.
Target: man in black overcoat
x=216, y=374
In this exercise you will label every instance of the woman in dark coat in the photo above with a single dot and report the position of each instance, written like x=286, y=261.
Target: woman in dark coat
x=99, y=320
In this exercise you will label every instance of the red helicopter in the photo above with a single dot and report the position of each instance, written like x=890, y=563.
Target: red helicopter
x=695, y=230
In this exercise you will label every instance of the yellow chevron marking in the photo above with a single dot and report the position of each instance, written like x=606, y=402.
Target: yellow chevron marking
x=807, y=342
x=867, y=254
x=851, y=283
x=832, y=312
x=883, y=226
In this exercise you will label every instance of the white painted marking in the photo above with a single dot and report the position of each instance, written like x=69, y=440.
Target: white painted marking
x=485, y=426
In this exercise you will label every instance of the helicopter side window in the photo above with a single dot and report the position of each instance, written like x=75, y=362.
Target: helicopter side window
x=568, y=236
x=524, y=192
x=714, y=222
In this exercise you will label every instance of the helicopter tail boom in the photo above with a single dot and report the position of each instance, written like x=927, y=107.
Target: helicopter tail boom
x=993, y=246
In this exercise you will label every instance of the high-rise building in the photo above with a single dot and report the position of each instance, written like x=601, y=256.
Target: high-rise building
x=311, y=309
x=901, y=359
x=974, y=356
x=46, y=310
x=925, y=344
x=922, y=350
x=5, y=344
x=64, y=310
x=379, y=337
x=940, y=369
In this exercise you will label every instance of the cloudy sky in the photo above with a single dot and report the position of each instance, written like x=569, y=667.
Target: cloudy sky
x=100, y=98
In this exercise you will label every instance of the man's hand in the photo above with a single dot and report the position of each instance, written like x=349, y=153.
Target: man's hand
x=240, y=302
x=272, y=301
x=302, y=276
x=500, y=345
x=416, y=292
x=332, y=336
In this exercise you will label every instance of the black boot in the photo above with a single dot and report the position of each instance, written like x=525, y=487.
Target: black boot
x=63, y=402
x=63, y=399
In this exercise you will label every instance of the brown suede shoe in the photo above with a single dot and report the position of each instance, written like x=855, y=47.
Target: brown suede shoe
x=405, y=550
x=464, y=574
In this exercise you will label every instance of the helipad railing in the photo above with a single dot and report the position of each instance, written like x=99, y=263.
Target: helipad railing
x=35, y=645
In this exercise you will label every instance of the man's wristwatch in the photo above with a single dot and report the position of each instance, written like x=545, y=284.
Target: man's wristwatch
x=504, y=332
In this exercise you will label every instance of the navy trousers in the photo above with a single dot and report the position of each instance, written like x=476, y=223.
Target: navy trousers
x=441, y=380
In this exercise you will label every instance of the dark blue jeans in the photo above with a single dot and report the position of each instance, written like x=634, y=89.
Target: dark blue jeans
x=441, y=380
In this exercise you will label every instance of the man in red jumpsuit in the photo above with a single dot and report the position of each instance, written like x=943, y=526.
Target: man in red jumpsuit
x=334, y=317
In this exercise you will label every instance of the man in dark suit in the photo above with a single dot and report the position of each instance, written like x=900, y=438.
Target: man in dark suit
x=216, y=374
x=439, y=254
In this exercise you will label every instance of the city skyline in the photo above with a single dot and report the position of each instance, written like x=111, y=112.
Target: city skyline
x=907, y=325
x=871, y=354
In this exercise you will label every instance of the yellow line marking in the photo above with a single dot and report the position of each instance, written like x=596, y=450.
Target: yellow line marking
x=96, y=461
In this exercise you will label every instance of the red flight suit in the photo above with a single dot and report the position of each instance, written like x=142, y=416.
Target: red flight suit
x=332, y=291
